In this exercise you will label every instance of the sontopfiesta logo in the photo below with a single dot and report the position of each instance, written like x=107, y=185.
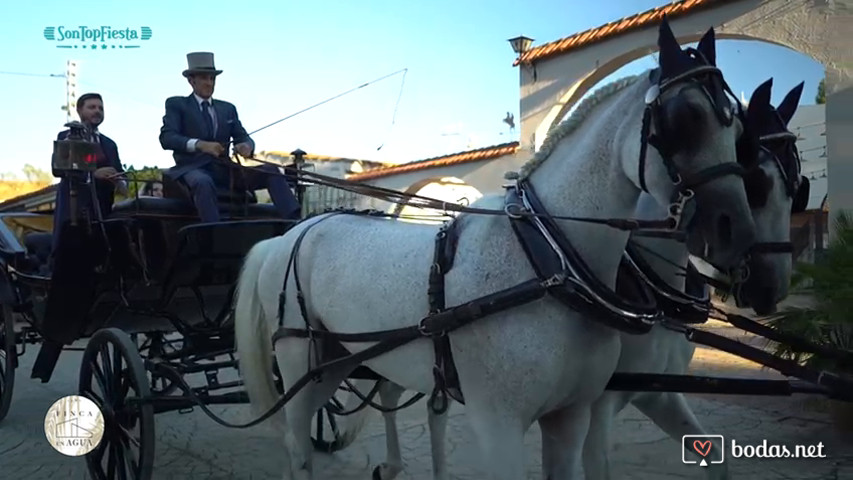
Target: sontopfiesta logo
x=95, y=38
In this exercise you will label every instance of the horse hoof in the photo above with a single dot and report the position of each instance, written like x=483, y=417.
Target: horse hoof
x=376, y=474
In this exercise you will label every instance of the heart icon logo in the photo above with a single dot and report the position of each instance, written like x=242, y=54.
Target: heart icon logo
x=702, y=448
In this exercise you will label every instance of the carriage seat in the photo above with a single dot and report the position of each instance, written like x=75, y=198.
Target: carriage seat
x=235, y=196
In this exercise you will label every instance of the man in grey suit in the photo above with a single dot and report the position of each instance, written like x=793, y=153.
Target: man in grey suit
x=198, y=130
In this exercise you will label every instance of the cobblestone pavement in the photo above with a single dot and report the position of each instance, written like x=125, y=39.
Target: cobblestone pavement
x=191, y=446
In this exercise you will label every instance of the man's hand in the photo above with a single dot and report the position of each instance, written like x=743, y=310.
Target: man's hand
x=105, y=173
x=244, y=149
x=211, y=148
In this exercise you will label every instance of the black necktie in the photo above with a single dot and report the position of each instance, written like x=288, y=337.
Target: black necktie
x=205, y=109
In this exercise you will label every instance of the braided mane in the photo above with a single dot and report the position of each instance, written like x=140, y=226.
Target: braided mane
x=556, y=134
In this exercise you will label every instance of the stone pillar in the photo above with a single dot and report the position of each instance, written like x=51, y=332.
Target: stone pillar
x=839, y=111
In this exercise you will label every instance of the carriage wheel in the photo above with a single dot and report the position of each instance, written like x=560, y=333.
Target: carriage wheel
x=8, y=359
x=111, y=372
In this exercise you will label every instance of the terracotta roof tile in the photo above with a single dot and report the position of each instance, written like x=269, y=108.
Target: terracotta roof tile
x=618, y=27
x=487, y=153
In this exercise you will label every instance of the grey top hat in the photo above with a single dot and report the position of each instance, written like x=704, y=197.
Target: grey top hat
x=200, y=62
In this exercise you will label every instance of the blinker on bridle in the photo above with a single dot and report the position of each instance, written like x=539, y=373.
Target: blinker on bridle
x=685, y=185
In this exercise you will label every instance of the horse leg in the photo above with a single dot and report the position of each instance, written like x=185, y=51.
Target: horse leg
x=500, y=437
x=437, y=428
x=670, y=412
x=389, y=396
x=563, y=435
x=292, y=358
x=596, y=449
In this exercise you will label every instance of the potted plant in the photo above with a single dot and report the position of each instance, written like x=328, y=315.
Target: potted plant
x=827, y=319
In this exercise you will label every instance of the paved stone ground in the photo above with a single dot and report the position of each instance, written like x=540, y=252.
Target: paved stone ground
x=191, y=446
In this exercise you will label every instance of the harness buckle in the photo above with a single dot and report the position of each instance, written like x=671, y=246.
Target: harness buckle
x=676, y=209
x=553, y=281
x=423, y=328
x=515, y=216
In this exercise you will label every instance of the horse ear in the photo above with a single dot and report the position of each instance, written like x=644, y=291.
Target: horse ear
x=789, y=104
x=759, y=103
x=670, y=50
x=707, y=46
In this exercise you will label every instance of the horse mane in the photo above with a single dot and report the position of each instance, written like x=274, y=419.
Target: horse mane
x=584, y=109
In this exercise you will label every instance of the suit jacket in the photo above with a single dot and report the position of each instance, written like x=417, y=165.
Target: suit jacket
x=107, y=157
x=183, y=121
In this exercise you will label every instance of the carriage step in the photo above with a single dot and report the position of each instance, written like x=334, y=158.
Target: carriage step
x=46, y=360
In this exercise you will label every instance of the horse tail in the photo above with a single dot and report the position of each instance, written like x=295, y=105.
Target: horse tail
x=252, y=335
x=354, y=423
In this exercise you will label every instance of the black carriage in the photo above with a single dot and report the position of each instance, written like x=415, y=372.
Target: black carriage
x=150, y=289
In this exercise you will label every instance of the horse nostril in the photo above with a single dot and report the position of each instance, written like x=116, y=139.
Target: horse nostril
x=724, y=231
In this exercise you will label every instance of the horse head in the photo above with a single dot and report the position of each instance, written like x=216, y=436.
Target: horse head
x=689, y=149
x=775, y=188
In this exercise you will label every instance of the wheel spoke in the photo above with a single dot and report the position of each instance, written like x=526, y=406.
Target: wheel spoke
x=131, y=460
x=101, y=381
x=93, y=396
x=118, y=373
x=128, y=436
x=111, y=462
x=118, y=449
x=104, y=355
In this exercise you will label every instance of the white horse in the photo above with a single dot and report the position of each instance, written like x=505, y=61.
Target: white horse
x=539, y=361
x=775, y=188
x=773, y=184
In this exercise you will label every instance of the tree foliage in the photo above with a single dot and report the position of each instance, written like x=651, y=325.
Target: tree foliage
x=137, y=178
x=830, y=284
x=820, y=98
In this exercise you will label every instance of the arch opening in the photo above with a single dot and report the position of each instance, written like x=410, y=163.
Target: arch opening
x=446, y=189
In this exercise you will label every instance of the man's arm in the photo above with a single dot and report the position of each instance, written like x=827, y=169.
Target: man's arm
x=171, y=137
x=238, y=133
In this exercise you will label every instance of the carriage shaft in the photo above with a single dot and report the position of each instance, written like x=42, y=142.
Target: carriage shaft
x=172, y=403
x=652, y=382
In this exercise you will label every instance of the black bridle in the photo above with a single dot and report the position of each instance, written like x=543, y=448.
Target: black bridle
x=709, y=80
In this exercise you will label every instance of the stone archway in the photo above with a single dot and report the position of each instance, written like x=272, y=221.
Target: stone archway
x=448, y=189
x=554, y=76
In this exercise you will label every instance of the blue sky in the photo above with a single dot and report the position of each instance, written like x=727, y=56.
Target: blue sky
x=280, y=57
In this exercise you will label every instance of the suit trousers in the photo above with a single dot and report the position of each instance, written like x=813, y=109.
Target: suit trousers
x=204, y=182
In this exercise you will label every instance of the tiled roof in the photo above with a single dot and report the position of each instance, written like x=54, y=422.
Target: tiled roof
x=487, y=153
x=320, y=158
x=618, y=27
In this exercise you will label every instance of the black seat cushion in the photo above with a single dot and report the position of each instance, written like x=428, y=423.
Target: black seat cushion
x=176, y=207
x=178, y=189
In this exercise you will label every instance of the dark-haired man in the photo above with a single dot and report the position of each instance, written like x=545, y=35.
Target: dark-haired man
x=198, y=130
x=90, y=109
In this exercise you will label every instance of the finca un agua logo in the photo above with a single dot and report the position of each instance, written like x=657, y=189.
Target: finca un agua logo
x=94, y=38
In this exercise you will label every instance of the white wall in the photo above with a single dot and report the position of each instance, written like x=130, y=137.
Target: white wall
x=809, y=123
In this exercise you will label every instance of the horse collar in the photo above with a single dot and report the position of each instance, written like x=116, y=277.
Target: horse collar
x=552, y=256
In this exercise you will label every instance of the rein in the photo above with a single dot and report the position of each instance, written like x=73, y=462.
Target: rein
x=656, y=227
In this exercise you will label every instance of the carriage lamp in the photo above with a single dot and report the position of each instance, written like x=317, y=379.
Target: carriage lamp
x=520, y=44
x=74, y=154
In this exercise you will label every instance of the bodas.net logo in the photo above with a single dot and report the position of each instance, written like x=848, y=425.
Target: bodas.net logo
x=97, y=38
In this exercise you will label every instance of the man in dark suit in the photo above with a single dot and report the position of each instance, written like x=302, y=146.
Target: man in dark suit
x=107, y=179
x=198, y=130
